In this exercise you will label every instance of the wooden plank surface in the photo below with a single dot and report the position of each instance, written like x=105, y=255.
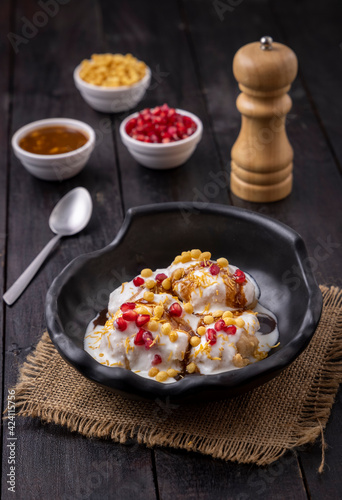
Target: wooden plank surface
x=314, y=208
x=158, y=25
x=189, y=476
x=154, y=32
x=314, y=31
x=52, y=463
x=317, y=178
x=321, y=72
x=5, y=90
x=189, y=48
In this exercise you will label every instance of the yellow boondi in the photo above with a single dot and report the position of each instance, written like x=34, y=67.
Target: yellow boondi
x=112, y=70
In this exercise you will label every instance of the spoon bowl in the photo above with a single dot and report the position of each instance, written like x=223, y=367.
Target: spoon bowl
x=72, y=213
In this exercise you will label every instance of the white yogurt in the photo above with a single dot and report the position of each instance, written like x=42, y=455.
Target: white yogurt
x=111, y=346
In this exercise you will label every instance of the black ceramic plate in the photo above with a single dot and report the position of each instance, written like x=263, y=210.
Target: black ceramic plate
x=151, y=236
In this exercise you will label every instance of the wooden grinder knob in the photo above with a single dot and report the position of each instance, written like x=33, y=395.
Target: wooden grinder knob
x=261, y=166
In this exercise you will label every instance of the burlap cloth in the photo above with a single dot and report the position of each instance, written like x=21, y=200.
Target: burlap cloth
x=257, y=427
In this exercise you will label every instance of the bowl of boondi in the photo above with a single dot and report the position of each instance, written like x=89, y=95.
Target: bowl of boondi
x=112, y=83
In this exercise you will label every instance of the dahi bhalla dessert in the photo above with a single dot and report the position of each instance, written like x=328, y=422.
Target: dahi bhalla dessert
x=197, y=316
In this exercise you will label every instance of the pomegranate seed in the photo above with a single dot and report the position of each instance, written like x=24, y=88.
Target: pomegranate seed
x=161, y=277
x=214, y=269
x=166, y=135
x=127, y=306
x=138, y=281
x=211, y=336
x=130, y=315
x=156, y=360
x=121, y=324
x=205, y=263
x=138, y=339
x=239, y=276
x=147, y=335
x=161, y=122
x=231, y=329
x=148, y=339
x=148, y=344
x=220, y=325
x=142, y=319
x=175, y=309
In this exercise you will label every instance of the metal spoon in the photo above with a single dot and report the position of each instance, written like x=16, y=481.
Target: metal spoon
x=71, y=214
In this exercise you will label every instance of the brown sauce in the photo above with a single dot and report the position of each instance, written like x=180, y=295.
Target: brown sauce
x=267, y=324
x=53, y=140
x=101, y=319
x=235, y=296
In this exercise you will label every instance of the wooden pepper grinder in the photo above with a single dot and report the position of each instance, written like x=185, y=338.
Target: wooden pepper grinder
x=261, y=166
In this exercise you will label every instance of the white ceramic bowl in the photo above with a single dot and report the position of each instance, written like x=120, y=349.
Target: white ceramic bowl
x=54, y=167
x=162, y=156
x=112, y=99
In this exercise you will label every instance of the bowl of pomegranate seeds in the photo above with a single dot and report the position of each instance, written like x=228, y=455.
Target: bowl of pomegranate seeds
x=161, y=137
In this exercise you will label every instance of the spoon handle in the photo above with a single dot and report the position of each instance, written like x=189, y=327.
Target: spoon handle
x=19, y=286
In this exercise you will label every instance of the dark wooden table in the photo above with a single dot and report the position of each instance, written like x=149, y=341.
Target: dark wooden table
x=189, y=45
